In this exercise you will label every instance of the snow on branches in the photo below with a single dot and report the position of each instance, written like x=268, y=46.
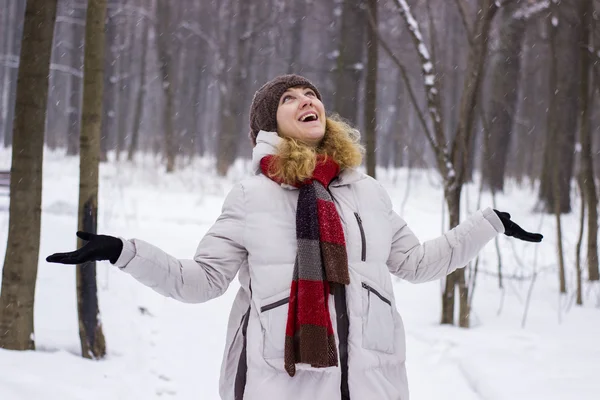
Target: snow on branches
x=531, y=10
x=430, y=84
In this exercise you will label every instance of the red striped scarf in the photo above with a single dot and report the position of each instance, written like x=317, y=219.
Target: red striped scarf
x=321, y=259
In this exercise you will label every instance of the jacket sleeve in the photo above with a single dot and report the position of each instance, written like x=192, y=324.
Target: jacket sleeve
x=433, y=259
x=218, y=258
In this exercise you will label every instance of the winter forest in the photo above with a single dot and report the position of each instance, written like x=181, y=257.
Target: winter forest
x=131, y=118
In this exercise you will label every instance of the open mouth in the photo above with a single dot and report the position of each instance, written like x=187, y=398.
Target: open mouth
x=309, y=117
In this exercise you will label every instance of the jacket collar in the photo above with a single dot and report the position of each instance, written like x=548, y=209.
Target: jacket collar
x=266, y=144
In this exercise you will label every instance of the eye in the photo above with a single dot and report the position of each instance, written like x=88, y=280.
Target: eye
x=310, y=93
x=286, y=98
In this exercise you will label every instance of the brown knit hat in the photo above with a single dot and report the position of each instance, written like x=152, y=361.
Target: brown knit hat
x=263, y=111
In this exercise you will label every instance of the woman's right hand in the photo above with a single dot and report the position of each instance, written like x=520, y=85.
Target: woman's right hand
x=97, y=248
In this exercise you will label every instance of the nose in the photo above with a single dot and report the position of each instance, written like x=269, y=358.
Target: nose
x=305, y=100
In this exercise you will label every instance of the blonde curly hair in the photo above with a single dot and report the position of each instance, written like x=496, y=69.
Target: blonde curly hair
x=295, y=161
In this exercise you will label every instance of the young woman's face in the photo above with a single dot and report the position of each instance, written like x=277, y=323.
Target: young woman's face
x=301, y=116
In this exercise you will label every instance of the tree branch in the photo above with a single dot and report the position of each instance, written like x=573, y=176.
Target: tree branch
x=194, y=27
x=405, y=78
x=116, y=9
x=478, y=52
x=431, y=87
x=432, y=34
x=9, y=60
x=531, y=10
x=70, y=20
x=462, y=10
x=258, y=28
x=67, y=70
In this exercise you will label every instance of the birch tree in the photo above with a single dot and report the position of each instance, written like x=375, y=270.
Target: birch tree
x=451, y=155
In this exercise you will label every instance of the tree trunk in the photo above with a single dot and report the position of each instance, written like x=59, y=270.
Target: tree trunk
x=505, y=66
x=462, y=144
x=124, y=83
x=90, y=328
x=21, y=260
x=296, y=42
x=350, y=61
x=461, y=148
x=141, y=94
x=586, y=98
x=554, y=153
x=517, y=166
x=563, y=23
x=578, y=268
x=228, y=135
x=5, y=34
x=57, y=122
x=109, y=95
x=399, y=129
x=371, y=91
x=74, y=112
x=10, y=84
x=458, y=276
x=167, y=70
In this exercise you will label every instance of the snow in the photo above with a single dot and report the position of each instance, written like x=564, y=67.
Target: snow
x=160, y=348
x=413, y=25
x=429, y=80
x=426, y=65
x=530, y=10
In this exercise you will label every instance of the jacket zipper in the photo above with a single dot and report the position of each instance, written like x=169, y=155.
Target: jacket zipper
x=363, y=238
x=276, y=304
x=343, y=328
x=376, y=293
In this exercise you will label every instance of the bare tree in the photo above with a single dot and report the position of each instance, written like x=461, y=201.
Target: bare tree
x=109, y=94
x=232, y=95
x=12, y=47
x=371, y=90
x=57, y=124
x=505, y=69
x=350, y=61
x=21, y=260
x=90, y=328
x=451, y=156
x=124, y=77
x=164, y=39
x=563, y=26
x=296, y=42
x=74, y=110
x=141, y=93
x=586, y=100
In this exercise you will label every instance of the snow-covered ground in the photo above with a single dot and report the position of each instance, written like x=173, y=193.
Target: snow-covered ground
x=159, y=348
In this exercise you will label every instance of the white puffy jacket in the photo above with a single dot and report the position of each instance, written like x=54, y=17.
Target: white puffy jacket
x=255, y=236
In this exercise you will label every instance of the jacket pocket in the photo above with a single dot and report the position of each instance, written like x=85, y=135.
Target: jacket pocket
x=274, y=320
x=363, y=238
x=378, y=321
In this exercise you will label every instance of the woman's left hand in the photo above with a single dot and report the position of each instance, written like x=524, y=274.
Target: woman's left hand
x=514, y=230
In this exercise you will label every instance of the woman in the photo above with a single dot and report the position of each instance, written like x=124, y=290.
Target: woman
x=314, y=242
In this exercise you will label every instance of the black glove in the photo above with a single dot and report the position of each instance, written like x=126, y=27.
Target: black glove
x=514, y=230
x=98, y=248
